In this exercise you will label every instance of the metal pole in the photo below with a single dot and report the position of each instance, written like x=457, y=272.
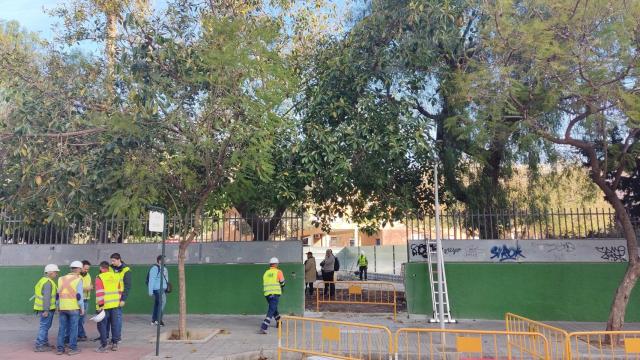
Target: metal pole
x=439, y=250
x=161, y=290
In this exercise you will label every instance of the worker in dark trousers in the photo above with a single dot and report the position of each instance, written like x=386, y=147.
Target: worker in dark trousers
x=272, y=284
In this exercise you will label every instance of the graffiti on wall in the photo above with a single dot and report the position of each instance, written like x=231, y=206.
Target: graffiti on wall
x=506, y=253
x=612, y=253
x=421, y=250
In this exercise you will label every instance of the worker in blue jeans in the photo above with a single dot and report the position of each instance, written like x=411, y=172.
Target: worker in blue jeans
x=71, y=306
x=159, y=296
x=272, y=284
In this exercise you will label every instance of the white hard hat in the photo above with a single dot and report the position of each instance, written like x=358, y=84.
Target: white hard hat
x=99, y=316
x=76, y=264
x=51, y=267
x=274, y=260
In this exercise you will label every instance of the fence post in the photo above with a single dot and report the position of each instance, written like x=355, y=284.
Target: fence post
x=375, y=261
x=393, y=251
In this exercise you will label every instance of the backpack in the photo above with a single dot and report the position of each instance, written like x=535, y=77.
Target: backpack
x=336, y=264
x=169, y=287
x=146, y=281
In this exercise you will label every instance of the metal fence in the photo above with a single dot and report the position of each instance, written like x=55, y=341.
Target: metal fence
x=15, y=229
x=519, y=224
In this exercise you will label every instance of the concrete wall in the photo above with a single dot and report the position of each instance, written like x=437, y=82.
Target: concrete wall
x=221, y=278
x=250, y=252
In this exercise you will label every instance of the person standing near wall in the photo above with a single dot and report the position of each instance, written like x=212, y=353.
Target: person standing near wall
x=272, y=284
x=363, y=264
x=159, y=296
x=108, y=294
x=328, y=269
x=71, y=307
x=45, y=305
x=87, y=287
x=310, y=272
x=123, y=273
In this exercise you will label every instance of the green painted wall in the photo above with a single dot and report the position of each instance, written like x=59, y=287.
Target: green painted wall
x=542, y=291
x=211, y=289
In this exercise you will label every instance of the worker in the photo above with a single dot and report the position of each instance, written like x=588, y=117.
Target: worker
x=108, y=293
x=272, y=284
x=86, y=287
x=363, y=264
x=45, y=305
x=70, y=305
x=123, y=273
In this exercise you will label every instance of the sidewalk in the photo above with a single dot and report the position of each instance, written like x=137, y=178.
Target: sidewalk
x=18, y=331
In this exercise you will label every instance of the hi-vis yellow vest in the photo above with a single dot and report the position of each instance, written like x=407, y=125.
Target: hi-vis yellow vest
x=39, y=299
x=67, y=291
x=86, y=284
x=120, y=275
x=270, y=282
x=362, y=261
x=111, y=292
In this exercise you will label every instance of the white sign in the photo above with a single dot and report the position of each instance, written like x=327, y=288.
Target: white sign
x=156, y=221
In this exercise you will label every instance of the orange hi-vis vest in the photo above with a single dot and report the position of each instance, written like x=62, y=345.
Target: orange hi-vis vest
x=67, y=292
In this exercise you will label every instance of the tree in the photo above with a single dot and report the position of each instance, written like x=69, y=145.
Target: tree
x=568, y=71
x=49, y=126
x=98, y=20
x=406, y=57
x=204, y=88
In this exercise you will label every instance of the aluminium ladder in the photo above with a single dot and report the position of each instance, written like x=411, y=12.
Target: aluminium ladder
x=433, y=260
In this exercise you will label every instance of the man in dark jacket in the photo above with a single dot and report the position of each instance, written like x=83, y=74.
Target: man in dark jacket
x=124, y=275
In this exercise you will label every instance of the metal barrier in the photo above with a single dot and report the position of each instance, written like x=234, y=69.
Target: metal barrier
x=556, y=337
x=357, y=292
x=335, y=339
x=604, y=345
x=467, y=345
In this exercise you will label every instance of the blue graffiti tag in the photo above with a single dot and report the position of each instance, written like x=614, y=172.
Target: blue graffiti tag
x=506, y=253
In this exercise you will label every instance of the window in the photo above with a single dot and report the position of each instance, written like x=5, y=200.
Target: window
x=378, y=242
x=352, y=242
x=305, y=241
x=334, y=241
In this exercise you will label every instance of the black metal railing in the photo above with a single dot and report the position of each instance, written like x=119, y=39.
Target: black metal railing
x=519, y=224
x=15, y=229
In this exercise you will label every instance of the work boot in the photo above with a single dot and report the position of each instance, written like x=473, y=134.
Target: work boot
x=59, y=352
x=82, y=338
x=41, y=348
x=114, y=347
x=102, y=349
x=73, y=352
x=262, y=331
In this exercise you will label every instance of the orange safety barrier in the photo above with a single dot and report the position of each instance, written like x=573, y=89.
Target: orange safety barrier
x=556, y=337
x=418, y=344
x=604, y=345
x=335, y=339
x=358, y=292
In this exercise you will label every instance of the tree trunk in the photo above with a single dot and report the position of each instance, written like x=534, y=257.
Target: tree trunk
x=111, y=32
x=621, y=298
x=261, y=228
x=182, y=284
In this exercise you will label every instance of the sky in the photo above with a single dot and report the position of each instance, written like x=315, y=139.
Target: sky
x=30, y=14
